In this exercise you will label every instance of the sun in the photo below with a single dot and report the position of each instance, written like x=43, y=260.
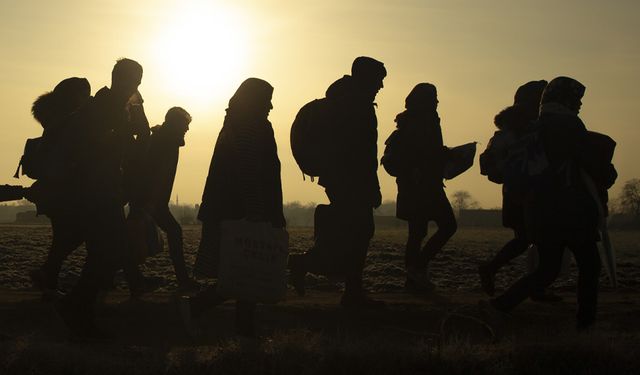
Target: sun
x=201, y=51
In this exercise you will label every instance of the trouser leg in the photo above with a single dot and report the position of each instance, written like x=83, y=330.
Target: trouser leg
x=447, y=227
x=417, y=233
x=547, y=271
x=511, y=250
x=68, y=234
x=105, y=246
x=171, y=227
x=588, y=262
x=360, y=231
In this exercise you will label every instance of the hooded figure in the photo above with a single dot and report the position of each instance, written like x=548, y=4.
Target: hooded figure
x=512, y=123
x=63, y=113
x=345, y=227
x=244, y=175
x=243, y=182
x=421, y=195
x=563, y=213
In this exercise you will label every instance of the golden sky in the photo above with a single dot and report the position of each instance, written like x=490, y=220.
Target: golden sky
x=195, y=54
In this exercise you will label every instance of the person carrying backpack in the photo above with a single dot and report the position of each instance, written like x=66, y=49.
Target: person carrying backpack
x=417, y=151
x=56, y=163
x=512, y=123
x=562, y=212
x=351, y=183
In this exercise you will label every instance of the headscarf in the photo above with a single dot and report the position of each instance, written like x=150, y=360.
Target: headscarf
x=250, y=99
x=423, y=94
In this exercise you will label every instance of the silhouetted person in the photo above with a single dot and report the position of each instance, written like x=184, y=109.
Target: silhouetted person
x=421, y=195
x=63, y=114
x=512, y=123
x=116, y=131
x=350, y=182
x=243, y=182
x=563, y=213
x=155, y=182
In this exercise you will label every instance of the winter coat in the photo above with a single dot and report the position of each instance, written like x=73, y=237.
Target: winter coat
x=513, y=123
x=59, y=189
x=420, y=187
x=111, y=150
x=352, y=171
x=244, y=174
x=561, y=208
x=154, y=179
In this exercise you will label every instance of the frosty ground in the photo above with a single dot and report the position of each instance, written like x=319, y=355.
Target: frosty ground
x=437, y=333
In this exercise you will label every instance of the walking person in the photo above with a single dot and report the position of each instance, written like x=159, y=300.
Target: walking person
x=421, y=196
x=513, y=122
x=154, y=183
x=243, y=183
x=116, y=129
x=351, y=183
x=561, y=211
x=62, y=114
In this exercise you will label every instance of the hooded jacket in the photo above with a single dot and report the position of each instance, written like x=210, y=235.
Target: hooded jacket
x=353, y=170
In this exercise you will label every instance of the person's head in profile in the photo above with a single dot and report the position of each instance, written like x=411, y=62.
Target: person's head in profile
x=176, y=124
x=368, y=74
x=422, y=98
x=528, y=97
x=67, y=97
x=126, y=76
x=563, y=94
x=251, y=100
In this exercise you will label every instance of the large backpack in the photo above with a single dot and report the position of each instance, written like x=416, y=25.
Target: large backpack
x=33, y=160
x=494, y=158
x=393, y=160
x=312, y=136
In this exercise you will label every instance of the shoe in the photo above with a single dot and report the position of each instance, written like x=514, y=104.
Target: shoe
x=297, y=277
x=360, y=301
x=189, y=322
x=547, y=297
x=487, y=280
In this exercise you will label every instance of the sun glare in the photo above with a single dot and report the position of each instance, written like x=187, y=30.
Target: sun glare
x=201, y=52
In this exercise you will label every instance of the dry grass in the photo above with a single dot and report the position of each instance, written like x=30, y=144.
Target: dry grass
x=313, y=336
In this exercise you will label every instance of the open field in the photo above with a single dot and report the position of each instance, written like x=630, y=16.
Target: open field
x=438, y=333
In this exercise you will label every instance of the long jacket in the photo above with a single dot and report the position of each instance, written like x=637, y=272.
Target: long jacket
x=512, y=123
x=352, y=174
x=562, y=209
x=244, y=174
x=420, y=187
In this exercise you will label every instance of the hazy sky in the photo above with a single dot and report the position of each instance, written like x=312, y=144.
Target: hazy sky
x=195, y=54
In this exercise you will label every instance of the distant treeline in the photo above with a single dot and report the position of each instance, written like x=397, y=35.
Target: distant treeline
x=301, y=215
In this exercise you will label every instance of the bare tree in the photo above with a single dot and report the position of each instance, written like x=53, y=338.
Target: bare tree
x=629, y=199
x=462, y=200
